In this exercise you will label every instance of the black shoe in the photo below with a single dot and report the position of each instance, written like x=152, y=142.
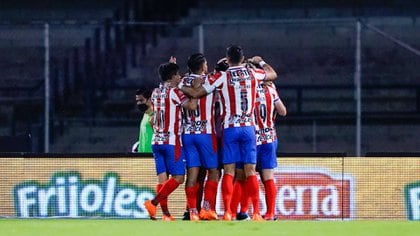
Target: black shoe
x=242, y=216
x=186, y=216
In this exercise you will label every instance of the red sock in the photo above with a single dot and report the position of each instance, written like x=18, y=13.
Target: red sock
x=191, y=193
x=252, y=189
x=270, y=195
x=227, y=190
x=236, y=197
x=244, y=198
x=199, y=195
x=210, y=192
x=168, y=187
x=164, y=202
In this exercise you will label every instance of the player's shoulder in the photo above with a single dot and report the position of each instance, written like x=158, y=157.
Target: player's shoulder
x=257, y=70
x=215, y=75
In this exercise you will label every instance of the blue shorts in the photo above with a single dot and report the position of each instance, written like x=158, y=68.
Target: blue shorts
x=165, y=160
x=266, y=156
x=239, y=145
x=200, y=150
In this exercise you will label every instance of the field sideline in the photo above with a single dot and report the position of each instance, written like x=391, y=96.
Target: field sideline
x=103, y=227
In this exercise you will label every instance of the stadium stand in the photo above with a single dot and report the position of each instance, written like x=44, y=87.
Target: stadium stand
x=100, y=57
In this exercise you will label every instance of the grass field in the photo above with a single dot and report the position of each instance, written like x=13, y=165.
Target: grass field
x=90, y=227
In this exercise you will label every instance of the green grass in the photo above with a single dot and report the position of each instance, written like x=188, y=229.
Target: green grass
x=90, y=227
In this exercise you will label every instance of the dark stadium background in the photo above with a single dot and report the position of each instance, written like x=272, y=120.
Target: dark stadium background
x=100, y=52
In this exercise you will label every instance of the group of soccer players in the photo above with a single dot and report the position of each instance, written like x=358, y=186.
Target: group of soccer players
x=238, y=97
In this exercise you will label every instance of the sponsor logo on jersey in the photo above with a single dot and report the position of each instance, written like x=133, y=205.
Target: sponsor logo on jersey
x=238, y=76
x=196, y=126
x=161, y=137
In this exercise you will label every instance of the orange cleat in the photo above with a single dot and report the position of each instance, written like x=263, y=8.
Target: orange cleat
x=151, y=209
x=167, y=218
x=227, y=216
x=257, y=217
x=208, y=215
x=194, y=216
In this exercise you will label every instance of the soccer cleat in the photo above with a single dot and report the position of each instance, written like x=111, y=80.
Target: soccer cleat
x=151, y=209
x=194, y=215
x=242, y=216
x=208, y=215
x=227, y=216
x=269, y=217
x=167, y=218
x=257, y=217
x=186, y=216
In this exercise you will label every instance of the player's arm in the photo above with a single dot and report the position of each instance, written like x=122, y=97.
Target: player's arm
x=280, y=107
x=196, y=90
x=151, y=119
x=191, y=104
x=270, y=73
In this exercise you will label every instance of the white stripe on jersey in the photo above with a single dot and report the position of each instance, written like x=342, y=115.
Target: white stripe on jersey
x=200, y=121
x=238, y=88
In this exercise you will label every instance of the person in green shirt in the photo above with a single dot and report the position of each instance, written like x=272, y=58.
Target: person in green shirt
x=146, y=131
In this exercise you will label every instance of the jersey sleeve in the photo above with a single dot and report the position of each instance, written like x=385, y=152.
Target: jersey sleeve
x=153, y=96
x=214, y=81
x=259, y=74
x=178, y=97
x=274, y=94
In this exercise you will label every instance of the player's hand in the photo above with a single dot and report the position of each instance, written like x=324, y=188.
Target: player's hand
x=172, y=60
x=224, y=59
x=255, y=60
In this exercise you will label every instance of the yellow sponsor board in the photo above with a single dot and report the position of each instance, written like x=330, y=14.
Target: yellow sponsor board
x=308, y=188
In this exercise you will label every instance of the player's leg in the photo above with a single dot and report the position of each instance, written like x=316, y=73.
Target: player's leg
x=231, y=154
x=193, y=167
x=243, y=198
x=209, y=160
x=267, y=161
x=248, y=152
x=176, y=168
x=161, y=171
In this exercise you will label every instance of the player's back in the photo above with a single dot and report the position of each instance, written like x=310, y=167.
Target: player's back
x=167, y=114
x=201, y=120
x=239, y=95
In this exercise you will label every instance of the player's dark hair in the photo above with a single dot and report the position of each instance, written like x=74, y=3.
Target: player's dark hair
x=195, y=62
x=167, y=70
x=234, y=53
x=146, y=91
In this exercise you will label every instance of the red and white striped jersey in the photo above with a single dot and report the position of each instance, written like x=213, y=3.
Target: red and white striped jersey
x=265, y=117
x=201, y=120
x=238, y=89
x=167, y=119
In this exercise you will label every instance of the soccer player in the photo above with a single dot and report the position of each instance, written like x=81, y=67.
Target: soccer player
x=200, y=144
x=268, y=103
x=168, y=102
x=146, y=131
x=238, y=91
